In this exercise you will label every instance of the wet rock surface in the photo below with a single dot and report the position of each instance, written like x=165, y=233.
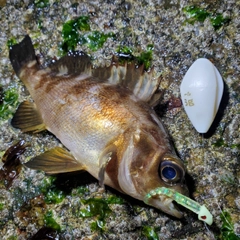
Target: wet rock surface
x=73, y=206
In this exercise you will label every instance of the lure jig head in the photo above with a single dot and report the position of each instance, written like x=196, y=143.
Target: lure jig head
x=202, y=211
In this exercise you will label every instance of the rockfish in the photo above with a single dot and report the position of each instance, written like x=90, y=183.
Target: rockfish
x=104, y=118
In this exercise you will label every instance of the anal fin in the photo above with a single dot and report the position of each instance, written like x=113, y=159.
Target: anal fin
x=27, y=118
x=56, y=160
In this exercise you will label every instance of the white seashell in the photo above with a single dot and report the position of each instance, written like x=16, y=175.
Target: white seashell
x=201, y=93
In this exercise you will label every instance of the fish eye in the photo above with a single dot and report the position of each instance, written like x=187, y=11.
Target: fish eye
x=170, y=172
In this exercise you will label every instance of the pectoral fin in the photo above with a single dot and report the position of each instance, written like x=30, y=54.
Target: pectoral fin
x=56, y=160
x=27, y=118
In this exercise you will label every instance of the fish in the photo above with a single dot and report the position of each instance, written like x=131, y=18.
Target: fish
x=105, y=120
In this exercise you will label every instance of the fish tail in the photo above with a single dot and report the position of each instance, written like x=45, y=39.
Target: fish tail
x=22, y=54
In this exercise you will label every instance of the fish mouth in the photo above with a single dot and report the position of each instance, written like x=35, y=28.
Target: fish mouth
x=166, y=204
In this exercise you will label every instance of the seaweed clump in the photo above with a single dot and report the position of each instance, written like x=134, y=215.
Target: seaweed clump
x=78, y=31
x=125, y=54
x=227, y=229
x=8, y=102
x=195, y=13
x=150, y=233
x=12, y=165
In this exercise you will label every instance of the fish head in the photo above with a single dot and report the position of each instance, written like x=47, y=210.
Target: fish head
x=150, y=163
x=171, y=175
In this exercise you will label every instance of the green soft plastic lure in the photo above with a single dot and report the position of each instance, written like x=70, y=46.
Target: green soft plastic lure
x=202, y=211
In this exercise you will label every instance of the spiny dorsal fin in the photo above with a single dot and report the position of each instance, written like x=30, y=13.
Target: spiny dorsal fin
x=144, y=84
x=73, y=63
x=56, y=160
x=27, y=118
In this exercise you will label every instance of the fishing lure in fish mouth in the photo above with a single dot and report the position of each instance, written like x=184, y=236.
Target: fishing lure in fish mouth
x=202, y=211
x=104, y=117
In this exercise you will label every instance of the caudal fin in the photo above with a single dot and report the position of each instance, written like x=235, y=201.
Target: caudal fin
x=21, y=54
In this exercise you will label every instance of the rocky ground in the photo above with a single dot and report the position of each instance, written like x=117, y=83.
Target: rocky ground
x=174, y=33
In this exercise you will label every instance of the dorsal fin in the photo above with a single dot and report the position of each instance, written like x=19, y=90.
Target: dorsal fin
x=144, y=84
x=73, y=63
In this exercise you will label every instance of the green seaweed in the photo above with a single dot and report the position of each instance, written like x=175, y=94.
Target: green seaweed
x=150, y=233
x=125, y=54
x=98, y=225
x=50, y=221
x=218, y=21
x=12, y=238
x=11, y=42
x=80, y=190
x=47, y=182
x=237, y=145
x=227, y=229
x=115, y=200
x=98, y=207
x=78, y=31
x=146, y=57
x=195, y=13
x=1, y=206
x=219, y=143
x=96, y=39
x=39, y=24
x=54, y=196
x=70, y=32
x=8, y=103
x=51, y=193
x=81, y=23
x=95, y=207
x=41, y=3
x=10, y=96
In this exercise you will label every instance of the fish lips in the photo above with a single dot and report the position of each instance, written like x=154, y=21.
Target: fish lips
x=166, y=204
